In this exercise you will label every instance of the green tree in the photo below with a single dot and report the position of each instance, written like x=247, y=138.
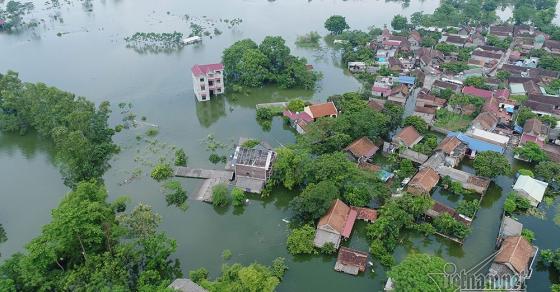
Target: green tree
x=314, y=201
x=468, y=208
x=531, y=151
x=296, y=105
x=476, y=81
x=503, y=75
x=454, y=67
x=291, y=166
x=300, y=240
x=279, y=267
x=238, y=197
x=447, y=225
x=491, y=164
x=523, y=114
x=394, y=113
x=417, y=122
x=528, y=234
x=399, y=22
x=175, y=194
x=547, y=170
x=254, y=278
x=198, y=275
x=180, y=157
x=220, y=195
x=232, y=56
x=551, y=257
x=161, y=171
x=336, y=24
x=253, y=68
x=420, y=272
x=276, y=51
x=264, y=114
x=406, y=169
x=3, y=236
x=526, y=172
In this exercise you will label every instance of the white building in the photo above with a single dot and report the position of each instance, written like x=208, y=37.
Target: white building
x=208, y=80
x=530, y=188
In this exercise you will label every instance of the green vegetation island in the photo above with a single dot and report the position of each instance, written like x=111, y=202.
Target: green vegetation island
x=443, y=155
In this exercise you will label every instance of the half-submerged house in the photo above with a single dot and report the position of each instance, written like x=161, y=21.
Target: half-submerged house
x=530, y=188
x=208, y=81
x=351, y=261
x=336, y=224
x=453, y=149
x=513, y=263
x=253, y=167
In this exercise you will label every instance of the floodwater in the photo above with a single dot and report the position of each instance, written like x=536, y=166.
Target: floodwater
x=90, y=58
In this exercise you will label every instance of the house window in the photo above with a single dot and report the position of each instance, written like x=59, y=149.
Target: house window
x=218, y=81
x=219, y=90
x=201, y=79
x=210, y=83
x=202, y=87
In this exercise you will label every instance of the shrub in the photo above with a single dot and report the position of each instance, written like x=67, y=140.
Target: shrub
x=180, y=158
x=296, y=105
x=468, y=208
x=300, y=241
x=238, y=196
x=174, y=193
x=279, y=267
x=528, y=234
x=198, y=275
x=251, y=143
x=152, y=132
x=328, y=248
x=162, y=171
x=219, y=195
x=264, y=114
x=226, y=254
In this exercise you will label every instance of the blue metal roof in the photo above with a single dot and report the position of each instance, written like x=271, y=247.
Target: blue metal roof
x=407, y=79
x=476, y=144
x=385, y=175
x=517, y=128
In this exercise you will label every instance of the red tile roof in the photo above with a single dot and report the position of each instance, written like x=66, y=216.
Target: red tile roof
x=471, y=90
x=349, y=223
x=337, y=217
x=448, y=144
x=351, y=257
x=366, y=213
x=423, y=182
x=199, y=70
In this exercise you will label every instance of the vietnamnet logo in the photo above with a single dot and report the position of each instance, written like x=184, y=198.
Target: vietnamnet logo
x=484, y=276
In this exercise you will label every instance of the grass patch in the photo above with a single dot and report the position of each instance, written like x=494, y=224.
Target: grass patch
x=452, y=121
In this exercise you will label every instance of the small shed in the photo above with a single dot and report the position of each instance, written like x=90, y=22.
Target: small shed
x=351, y=261
x=530, y=188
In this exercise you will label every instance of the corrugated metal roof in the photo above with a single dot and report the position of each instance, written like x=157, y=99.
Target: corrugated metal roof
x=475, y=144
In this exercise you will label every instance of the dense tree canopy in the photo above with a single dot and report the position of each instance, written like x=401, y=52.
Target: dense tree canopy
x=531, y=151
x=548, y=171
x=491, y=164
x=89, y=246
x=252, y=65
x=336, y=24
x=420, y=272
x=79, y=130
x=314, y=201
x=399, y=22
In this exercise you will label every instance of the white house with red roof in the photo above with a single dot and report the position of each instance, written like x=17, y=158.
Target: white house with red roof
x=208, y=80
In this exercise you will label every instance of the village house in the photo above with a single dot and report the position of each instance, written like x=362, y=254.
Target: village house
x=485, y=56
x=365, y=214
x=185, y=285
x=414, y=38
x=483, y=93
x=486, y=121
x=423, y=182
x=530, y=188
x=425, y=99
x=552, y=46
x=316, y=111
x=475, y=40
x=489, y=137
x=475, y=145
x=534, y=131
x=382, y=86
x=356, y=67
x=428, y=114
x=455, y=40
x=399, y=94
x=442, y=85
x=208, y=81
x=439, y=209
x=453, y=149
x=513, y=263
x=253, y=166
x=509, y=227
x=336, y=224
x=501, y=31
x=407, y=137
x=543, y=104
x=428, y=57
x=395, y=64
x=351, y=261
x=362, y=149
x=298, y=120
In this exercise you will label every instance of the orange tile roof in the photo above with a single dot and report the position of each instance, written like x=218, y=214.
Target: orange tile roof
x=448, y=144
x=516, y=251
x=409, y=136
x=351, y=257
x=425, y=180
x=336, y=216
x=323, y=110
x=362, y=147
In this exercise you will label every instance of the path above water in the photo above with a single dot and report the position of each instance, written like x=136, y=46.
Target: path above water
x=211, y=178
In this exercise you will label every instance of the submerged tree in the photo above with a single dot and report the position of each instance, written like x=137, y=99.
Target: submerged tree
x=336, y=24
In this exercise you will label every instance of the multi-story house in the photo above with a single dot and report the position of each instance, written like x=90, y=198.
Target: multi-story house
x=208, y=81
